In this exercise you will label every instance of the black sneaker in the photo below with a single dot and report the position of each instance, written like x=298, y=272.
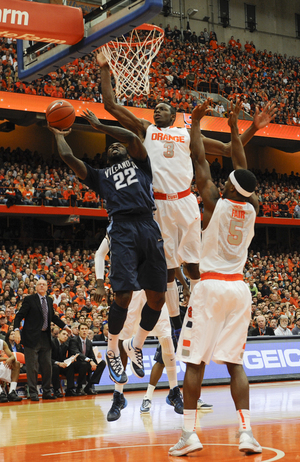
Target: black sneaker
x=58, y=394
x=119, y=403
x=174, y=398
x=136, y=358
x=3, y=397
x=13, y=396
x=115, y=368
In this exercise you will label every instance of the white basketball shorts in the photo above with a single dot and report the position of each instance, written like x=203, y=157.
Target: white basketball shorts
x=179, y=221
x=5, y=373
x=216, y=323
x=162, y=328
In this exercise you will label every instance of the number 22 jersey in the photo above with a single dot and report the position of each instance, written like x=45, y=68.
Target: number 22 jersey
x=126, y=187
x=226, y=239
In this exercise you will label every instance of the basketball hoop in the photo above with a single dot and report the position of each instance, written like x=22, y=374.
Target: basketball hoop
x=130, y=59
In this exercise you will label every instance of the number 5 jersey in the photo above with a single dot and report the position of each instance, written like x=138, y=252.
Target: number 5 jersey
x=227, y=237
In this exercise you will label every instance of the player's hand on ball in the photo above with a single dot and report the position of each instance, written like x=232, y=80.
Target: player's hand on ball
x=59, y=132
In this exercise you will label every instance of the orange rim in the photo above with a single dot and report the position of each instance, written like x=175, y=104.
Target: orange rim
x=146, y=42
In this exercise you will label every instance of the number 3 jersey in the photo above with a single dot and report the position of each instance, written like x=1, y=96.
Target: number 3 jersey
x=227, y=237
x=126, y=187
x=169, y=151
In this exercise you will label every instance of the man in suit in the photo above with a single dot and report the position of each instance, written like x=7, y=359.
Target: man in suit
x=104, y=333
x=261, y=328
x=86, y=362
x=60, y=350
x=38, y=313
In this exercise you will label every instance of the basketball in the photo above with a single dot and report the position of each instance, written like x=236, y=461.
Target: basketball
x=60, y=114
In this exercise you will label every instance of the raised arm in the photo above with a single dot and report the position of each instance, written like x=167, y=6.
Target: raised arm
x=67, y=155
x=260, y=120
x=123, y=115
x=136, y=148
x=206, y=187
x=238, y=155
x=237, y=150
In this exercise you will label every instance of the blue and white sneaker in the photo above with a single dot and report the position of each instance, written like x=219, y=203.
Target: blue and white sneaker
x=115, y=368
x=146, y=406
x=202, y=406
x=136, y=358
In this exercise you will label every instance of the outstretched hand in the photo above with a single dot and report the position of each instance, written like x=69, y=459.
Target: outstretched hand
x=59, y=132
x=263, y=118
x=101, y=60
x=202, y=109
x=91, y=118
x=234, y=113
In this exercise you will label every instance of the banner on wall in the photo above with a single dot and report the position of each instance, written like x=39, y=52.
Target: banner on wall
x=262, y=359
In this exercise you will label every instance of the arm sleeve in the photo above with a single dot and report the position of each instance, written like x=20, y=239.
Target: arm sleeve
x=100, y=259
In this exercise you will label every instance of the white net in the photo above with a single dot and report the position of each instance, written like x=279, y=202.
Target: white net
x=130, y=59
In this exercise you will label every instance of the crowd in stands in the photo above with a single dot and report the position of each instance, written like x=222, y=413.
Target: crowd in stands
x=26, y=178
x=195, y=61
x=273, y=280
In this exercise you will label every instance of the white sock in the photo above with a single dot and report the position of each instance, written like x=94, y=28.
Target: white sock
x=140, y=337
x=13, y=386
x=149, y=392
x=170, y=365
x=172, y=299
x=113, y=343
x=189, y=419
x=193, y=282
x=244, y=419
x=119, y=387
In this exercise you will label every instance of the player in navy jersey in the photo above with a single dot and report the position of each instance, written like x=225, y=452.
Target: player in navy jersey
x=136, y=245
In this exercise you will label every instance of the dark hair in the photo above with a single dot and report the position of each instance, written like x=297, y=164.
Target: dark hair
x=246, y=179
x=83, y=324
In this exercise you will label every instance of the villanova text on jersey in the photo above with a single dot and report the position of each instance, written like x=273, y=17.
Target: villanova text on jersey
x=126, y=187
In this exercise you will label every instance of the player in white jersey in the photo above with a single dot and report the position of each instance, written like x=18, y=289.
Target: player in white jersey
x=216, y=323
x=9, y=372
x=162, y=330
x=169, y=150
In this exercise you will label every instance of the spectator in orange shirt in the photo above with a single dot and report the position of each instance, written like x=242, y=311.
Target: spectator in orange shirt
x=30, y=90
x=90, y=199
x=27, y=195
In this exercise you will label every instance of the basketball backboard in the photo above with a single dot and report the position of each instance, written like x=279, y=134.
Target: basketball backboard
x=123, y=16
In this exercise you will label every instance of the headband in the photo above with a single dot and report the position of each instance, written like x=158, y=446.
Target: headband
x=237, y=186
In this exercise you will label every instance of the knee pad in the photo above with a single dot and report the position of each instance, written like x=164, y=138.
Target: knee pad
x=167, y=346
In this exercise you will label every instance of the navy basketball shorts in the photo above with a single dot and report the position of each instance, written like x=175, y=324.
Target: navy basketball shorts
x=137, y=256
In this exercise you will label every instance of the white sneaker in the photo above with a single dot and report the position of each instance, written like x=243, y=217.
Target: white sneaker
x=248, y=443
x=136, y=358
x=202, y=406
x=189, y=442
x=146, y=406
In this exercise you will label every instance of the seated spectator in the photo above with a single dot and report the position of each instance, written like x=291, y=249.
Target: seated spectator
x=9, y=372
x=296, y=329
x=282, y=329
x=59, y=354
x=262, y=328
x=104, y=333
x=86, y=362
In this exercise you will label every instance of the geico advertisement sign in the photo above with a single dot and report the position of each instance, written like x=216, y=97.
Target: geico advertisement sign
x=270, y=359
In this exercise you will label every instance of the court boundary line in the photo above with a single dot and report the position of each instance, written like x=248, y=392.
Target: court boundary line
x=279, y=454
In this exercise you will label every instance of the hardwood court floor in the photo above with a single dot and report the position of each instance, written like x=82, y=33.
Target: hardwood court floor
x=76, y=429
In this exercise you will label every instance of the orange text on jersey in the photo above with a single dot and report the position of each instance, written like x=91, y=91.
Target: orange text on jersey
x=162, y=137
x=238, y=214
